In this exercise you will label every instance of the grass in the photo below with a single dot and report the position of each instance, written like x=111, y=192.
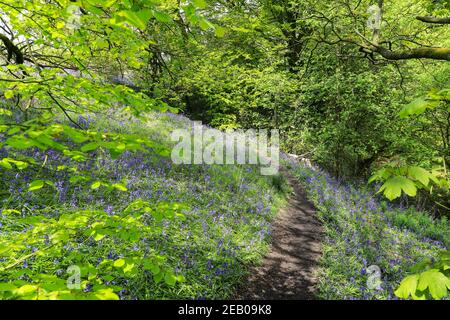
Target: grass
x=361, y=231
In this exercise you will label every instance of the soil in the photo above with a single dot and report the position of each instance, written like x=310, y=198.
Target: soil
x=288, y=271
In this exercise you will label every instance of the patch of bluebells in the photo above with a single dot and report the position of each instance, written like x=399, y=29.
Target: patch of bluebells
x=359, y=232
x=228, y=221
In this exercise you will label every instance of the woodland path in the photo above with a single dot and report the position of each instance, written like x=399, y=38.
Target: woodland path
x=288, y=271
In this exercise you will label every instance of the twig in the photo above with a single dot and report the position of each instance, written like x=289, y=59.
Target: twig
x=64, y=110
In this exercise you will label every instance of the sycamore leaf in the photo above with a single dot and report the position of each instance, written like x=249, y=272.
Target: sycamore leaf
x=381, y=175
x=421, y=175
x=394, y=186
x=436, y=282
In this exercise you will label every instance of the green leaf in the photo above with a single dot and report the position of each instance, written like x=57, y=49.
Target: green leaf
x=10, y=211
x=119, y=186
x=7, y=287
x=138, y=19
x=98, y=236
x=199, y=3
x=128, y=268
x=162, y=16
x=205, y=24
x=153, y=267
x=25, y=289
x=394, y=186
x=106, y=294
x=418, y=106
x=76, y=179
x=421, y=175
x=77, y=136
x=49, y=183
x=60, y=24
x=96, y=185
x=119, y=263
x=8, y=94
x=19, y=164
x=436, y=282
x=36, y=185
x=5, y=164
x=407, y=287
x=89, y=147
x=108, y=277
x=180, y=216
x=6, y=112
x=158, y=277
x=381, y=175
x=20, y=142
x=219, y=31
x=170, y=279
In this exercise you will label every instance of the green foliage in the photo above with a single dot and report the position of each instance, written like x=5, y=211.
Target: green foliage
x=433, y=100
x=303, y=67
x=127, y=227
x=397, y=178
x=434, y=282
x=360, y=232
x=405, y=179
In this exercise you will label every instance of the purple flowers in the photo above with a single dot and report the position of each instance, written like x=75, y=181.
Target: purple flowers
x=360, y=233
x=227, y=218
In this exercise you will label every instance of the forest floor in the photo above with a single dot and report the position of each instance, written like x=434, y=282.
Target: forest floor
x=289, y=270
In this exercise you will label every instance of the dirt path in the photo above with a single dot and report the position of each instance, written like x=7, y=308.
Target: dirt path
x=288, y=270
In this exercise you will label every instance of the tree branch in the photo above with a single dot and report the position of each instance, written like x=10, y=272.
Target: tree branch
x=434, y=20
x=12, y=50
x=418, y=53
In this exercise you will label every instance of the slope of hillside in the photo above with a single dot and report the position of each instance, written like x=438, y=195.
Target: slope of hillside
x=137, y=227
